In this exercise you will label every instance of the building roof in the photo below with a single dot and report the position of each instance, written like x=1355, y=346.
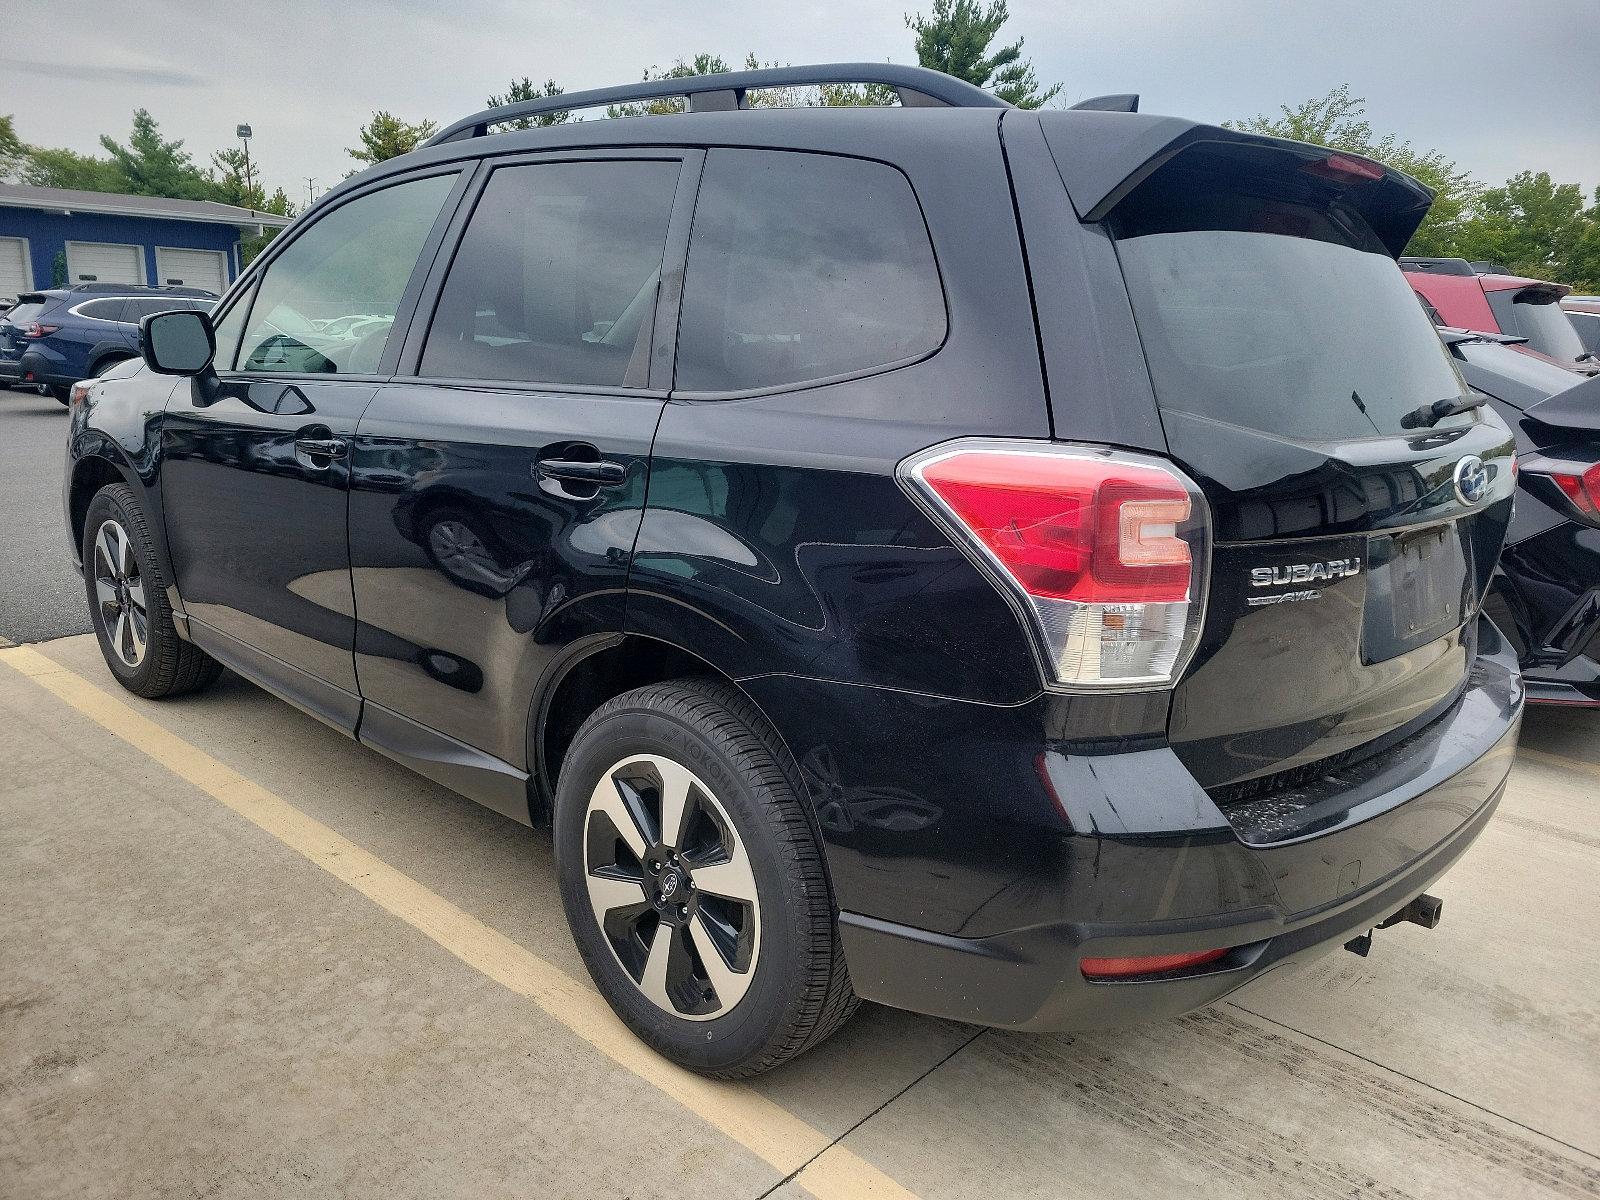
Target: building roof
x=161, y=208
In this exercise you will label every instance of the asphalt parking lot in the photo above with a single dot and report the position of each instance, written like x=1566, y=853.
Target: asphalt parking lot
x=42, y=596
x=243, y=956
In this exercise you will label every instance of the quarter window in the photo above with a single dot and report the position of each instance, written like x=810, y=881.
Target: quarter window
x=804, y=267
x=104, y=310
x=327, y=303
x=557, y=276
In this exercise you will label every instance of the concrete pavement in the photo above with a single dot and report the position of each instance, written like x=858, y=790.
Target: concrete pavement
x=244, y=956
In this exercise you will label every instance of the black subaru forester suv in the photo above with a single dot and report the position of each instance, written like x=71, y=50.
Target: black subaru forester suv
x=1021, y=567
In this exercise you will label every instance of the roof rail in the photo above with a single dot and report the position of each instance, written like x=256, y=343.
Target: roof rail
x=917, y=87
x=1437, y=266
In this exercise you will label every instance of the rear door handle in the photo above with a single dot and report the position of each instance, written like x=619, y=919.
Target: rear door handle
x=329, y=448
x=604, y=473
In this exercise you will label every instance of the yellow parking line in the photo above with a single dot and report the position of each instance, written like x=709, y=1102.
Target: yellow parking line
x=1558, y=760
x=766, y=1129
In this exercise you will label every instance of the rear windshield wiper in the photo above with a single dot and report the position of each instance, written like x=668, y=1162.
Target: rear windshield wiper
x=1429, y=415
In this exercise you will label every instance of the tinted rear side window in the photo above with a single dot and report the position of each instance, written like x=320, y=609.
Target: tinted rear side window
x=557, y=276
x=804, y=267
x=103, y=310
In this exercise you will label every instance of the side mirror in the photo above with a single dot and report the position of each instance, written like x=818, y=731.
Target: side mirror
x=178, y=343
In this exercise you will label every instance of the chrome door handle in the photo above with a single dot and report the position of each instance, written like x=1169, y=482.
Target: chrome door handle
x=329, y=448
x=604, y=473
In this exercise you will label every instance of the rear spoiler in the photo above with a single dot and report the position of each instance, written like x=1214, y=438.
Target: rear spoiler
x=1576, y=408
x=1104, y=156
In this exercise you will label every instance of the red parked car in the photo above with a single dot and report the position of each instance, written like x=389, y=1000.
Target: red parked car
x=1480, y=297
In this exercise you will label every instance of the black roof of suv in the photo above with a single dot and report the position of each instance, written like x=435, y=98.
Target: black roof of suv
x=954, y=555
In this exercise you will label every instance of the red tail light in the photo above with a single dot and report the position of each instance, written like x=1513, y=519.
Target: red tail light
x=1105, y=551
x=1583, y=490
x=35, y=330
x=1152, y=964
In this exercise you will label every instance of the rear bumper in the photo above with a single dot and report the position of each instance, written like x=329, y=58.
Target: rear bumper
x=983, y=911
x=1030, y=979
x=35, y=367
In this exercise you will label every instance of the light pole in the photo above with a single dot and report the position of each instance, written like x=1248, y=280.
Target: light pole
x=243, y=132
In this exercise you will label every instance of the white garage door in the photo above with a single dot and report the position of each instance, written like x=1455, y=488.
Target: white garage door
x=14, y=268
x=192, y=268
x=103, y=262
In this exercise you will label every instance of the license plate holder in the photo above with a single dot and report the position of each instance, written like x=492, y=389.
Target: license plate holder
x=1417, y=590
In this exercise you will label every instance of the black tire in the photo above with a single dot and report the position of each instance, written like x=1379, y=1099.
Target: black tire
x=798, y=990
x=168, y=665
x=105, y=364
x=61, y=392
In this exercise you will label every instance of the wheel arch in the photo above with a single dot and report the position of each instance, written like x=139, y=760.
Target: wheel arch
x=101, y=356
x=96, y=462
x=90, y=474
x=596, y=671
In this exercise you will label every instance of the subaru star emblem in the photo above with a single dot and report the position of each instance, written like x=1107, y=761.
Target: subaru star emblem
x=1472, y=479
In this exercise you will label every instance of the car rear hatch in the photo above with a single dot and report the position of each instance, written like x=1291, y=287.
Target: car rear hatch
x=12, y=342
x=1352, y=537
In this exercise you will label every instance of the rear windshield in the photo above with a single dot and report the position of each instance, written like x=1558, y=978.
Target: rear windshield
x=1540, y=320
x=23, y=313
x=1291, y=335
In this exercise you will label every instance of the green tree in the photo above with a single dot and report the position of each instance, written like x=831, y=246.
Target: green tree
x=387, y=136
x=1582, y=268
x=700, y=64
x=955, y=40
x=152, y=166
x=1338, y=121
x=229, y=185
x=12, y=151
x=43, y=167
x=525, y=89
x=1532, y=225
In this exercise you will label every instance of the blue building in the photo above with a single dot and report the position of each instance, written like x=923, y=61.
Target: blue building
x=107, y=238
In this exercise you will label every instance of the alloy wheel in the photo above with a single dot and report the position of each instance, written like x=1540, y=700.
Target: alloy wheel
x=119, y=593
x=671, y=887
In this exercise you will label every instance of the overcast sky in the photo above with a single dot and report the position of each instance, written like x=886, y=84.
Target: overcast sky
x=1499, y=85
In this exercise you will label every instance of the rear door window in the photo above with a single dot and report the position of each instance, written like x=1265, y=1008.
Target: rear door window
x=804, y=267
x=557, y=276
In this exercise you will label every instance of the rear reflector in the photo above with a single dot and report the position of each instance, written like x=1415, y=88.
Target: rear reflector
x=1105, y=551
x=1152, y=964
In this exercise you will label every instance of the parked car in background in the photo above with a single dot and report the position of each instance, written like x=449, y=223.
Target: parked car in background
x=1023, y=567
x=58, y=336
x=1546, y=591
x=1465, y=296
x=1584, y=313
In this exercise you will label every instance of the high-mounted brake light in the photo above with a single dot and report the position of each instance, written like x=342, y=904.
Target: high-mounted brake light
x=1104, y=551
x=1343, y=167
